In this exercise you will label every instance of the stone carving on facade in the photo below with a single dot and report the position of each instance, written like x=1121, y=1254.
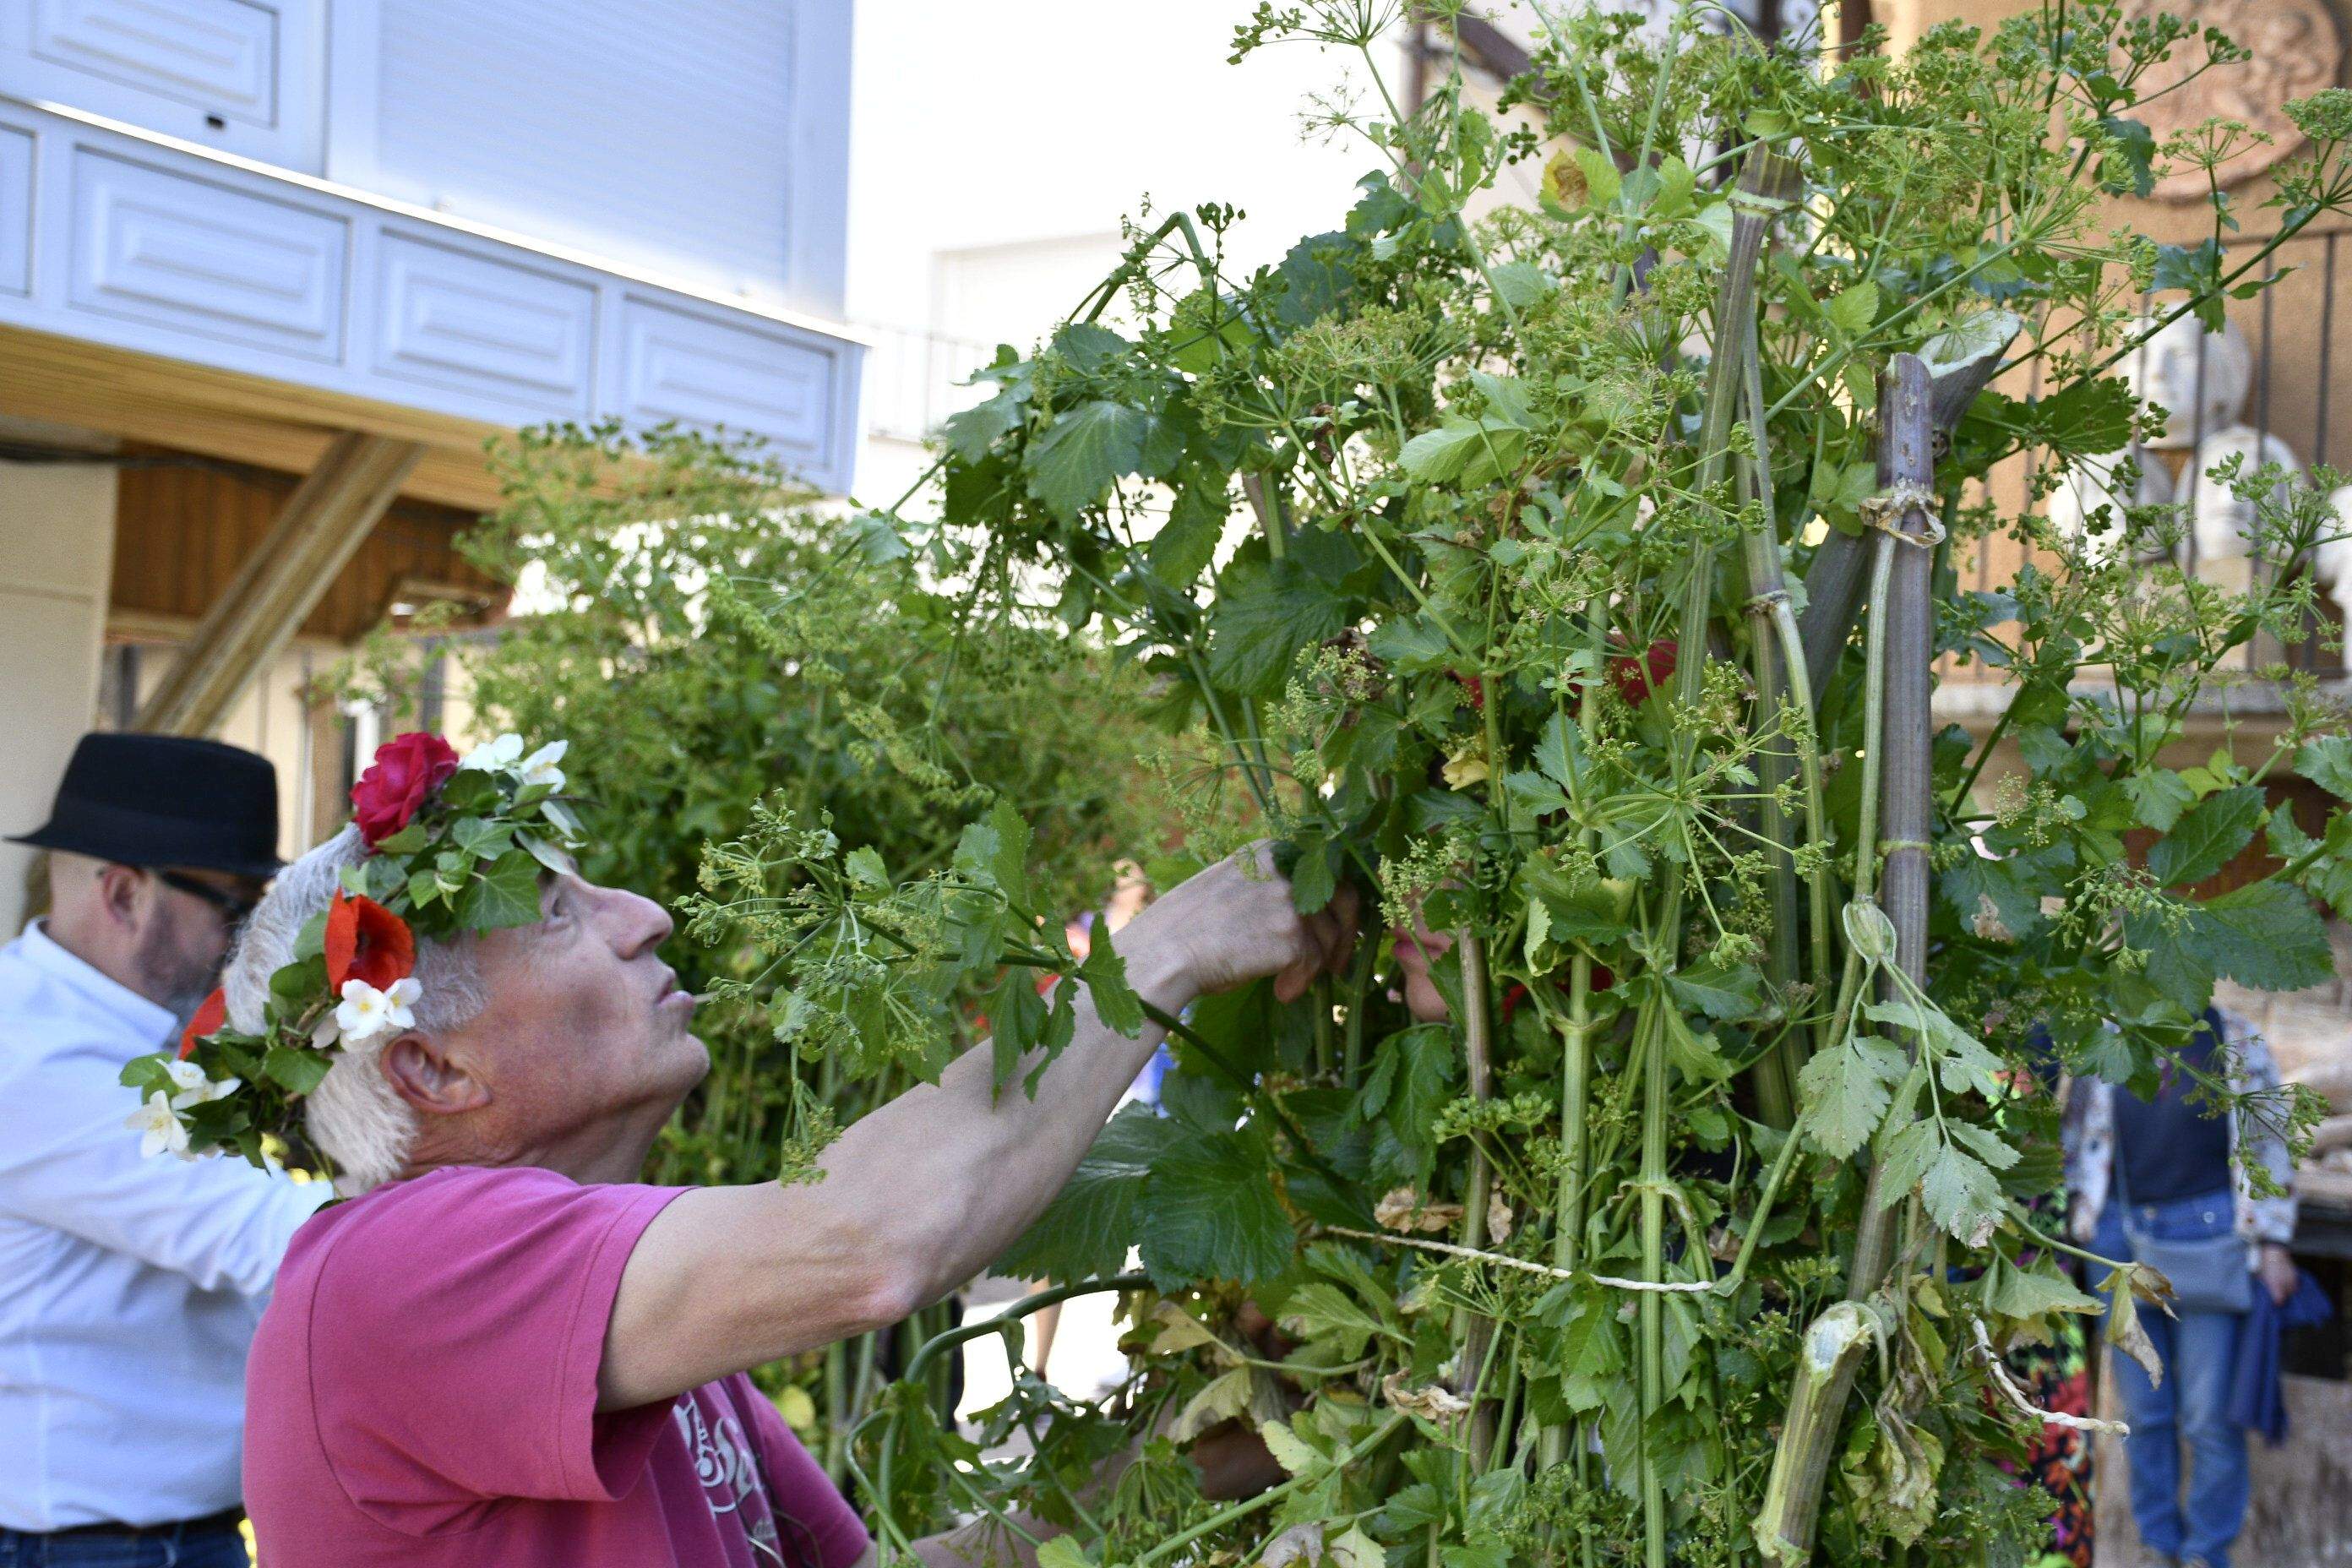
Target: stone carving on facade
x=2074, y=507
x=2297, y=49
x=2201, y=380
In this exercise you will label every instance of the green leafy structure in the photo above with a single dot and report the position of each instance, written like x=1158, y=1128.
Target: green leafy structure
x=1468, y=550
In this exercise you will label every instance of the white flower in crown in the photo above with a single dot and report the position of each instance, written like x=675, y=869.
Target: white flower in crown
x=538, y=768
x=159, y=1126
x=492, y=755
x=195, y=1087
x=365, y=1012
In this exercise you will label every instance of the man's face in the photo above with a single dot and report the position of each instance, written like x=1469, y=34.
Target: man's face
x=582, y=1021
x=182, y=935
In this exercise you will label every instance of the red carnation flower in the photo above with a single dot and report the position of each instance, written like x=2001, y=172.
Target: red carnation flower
x=210, y=1016
x=406, y=769
x=367, y=941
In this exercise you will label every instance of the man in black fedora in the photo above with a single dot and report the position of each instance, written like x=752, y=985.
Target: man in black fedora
x=130, y=1286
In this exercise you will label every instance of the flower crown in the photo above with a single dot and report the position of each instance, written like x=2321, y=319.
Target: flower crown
x=452, y=847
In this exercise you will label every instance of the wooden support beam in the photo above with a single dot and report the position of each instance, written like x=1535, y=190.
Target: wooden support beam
x=325, y=520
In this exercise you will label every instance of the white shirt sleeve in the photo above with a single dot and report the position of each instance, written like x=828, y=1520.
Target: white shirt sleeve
x=67, y=1162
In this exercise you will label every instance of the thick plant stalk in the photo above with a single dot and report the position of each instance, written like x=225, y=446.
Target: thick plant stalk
x=1902, y=679
x=1833, y=584
x=1654, y=1269
x=1795, y=691
x=1775, y=1088
x=1907, y=803
x=1474, y=1333
x=1765, y=181
x=1834, y=1347
x=1554, y=1446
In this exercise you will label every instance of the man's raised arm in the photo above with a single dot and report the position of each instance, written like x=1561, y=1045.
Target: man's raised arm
x=921, y=1195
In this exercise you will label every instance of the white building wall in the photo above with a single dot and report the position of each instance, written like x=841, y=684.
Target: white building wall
x=704, y=140
x=56, y=557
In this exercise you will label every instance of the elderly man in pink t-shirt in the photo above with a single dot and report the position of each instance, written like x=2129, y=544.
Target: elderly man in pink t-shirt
x=504, y=1353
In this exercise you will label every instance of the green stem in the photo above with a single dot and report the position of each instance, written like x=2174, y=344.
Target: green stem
x=1474, y=1333
x=1226, y=1516
x=1654, y=1270
x=919, y=1365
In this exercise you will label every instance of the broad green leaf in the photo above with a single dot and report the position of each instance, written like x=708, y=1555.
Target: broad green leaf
x=1290, y=1450
x=1413, y=644
x=1696, y=1057
x=2208, y=837
x=1226, y=1397
x=1089, y=346
x=1082, y=452
x=1264, y=616
x=503, y=893
x=1012, y=851
x=1316, y=1311
x=2158, y=796
x=1016, y=1023
x=2014, y=1293
x=1846, y=1092
x=1520, y=283
x=1560, y=751
x=1088, y=1228
x=1676, y=187
x=2265, y=935
x=1727, y=993
x=2328, y=762
x=1436, y=457
x=1105, y=972
x=1063, y=1552
x=1209, y=1211
x=296, y=1070
x=1961, y=1195
x=2087, y=418
x=865, y=867
x=1602, y=180
x=1854, y=309
x=1187, y=541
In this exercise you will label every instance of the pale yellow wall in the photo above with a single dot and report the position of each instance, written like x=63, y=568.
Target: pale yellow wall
x=57, y=550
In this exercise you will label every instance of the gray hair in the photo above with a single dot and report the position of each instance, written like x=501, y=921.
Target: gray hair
x=355, y=1115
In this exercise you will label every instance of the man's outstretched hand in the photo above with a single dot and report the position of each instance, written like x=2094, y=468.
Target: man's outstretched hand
x=1235, y=922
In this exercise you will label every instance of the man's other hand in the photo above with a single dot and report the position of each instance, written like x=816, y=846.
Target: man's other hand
x=2276, y=1270
x=1235, y=922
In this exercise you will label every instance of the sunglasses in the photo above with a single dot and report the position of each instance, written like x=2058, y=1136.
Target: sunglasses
x=233, y=906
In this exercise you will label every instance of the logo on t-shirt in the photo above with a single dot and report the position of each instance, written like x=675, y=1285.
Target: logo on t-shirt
x=728, y=1469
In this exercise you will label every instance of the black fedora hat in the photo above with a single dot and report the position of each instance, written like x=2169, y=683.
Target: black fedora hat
x=165, y=800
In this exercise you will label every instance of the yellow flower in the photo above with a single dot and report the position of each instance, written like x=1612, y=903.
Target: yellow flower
x=1466, y=766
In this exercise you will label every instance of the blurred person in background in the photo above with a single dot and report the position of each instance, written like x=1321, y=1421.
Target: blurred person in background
x=2163, y=1181
x=129, y=1288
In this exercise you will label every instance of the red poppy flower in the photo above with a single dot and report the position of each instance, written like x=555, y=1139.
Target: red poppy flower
x=367, y=941
x=406, y=769
x=210, y=1016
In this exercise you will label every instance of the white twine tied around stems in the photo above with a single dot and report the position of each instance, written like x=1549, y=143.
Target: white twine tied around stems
x=1661, y=1287
x=2009, y=1386
x=1883, y=511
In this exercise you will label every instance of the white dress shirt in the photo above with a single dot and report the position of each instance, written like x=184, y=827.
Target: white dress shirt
x=128, y=1286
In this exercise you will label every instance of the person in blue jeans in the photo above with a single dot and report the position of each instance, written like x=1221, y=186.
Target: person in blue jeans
x=2167, y=1170
x=199, y=1543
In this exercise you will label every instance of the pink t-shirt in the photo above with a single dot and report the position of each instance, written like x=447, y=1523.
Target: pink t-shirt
x=422, y=1391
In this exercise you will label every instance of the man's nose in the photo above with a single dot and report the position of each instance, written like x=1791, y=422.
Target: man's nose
x=639, y=924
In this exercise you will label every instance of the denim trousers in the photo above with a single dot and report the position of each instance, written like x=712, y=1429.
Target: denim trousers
x=208, y=1548
x=2190, y=1410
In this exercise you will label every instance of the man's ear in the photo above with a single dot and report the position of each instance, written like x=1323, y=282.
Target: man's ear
x=123, y=891
x=422, y=1074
